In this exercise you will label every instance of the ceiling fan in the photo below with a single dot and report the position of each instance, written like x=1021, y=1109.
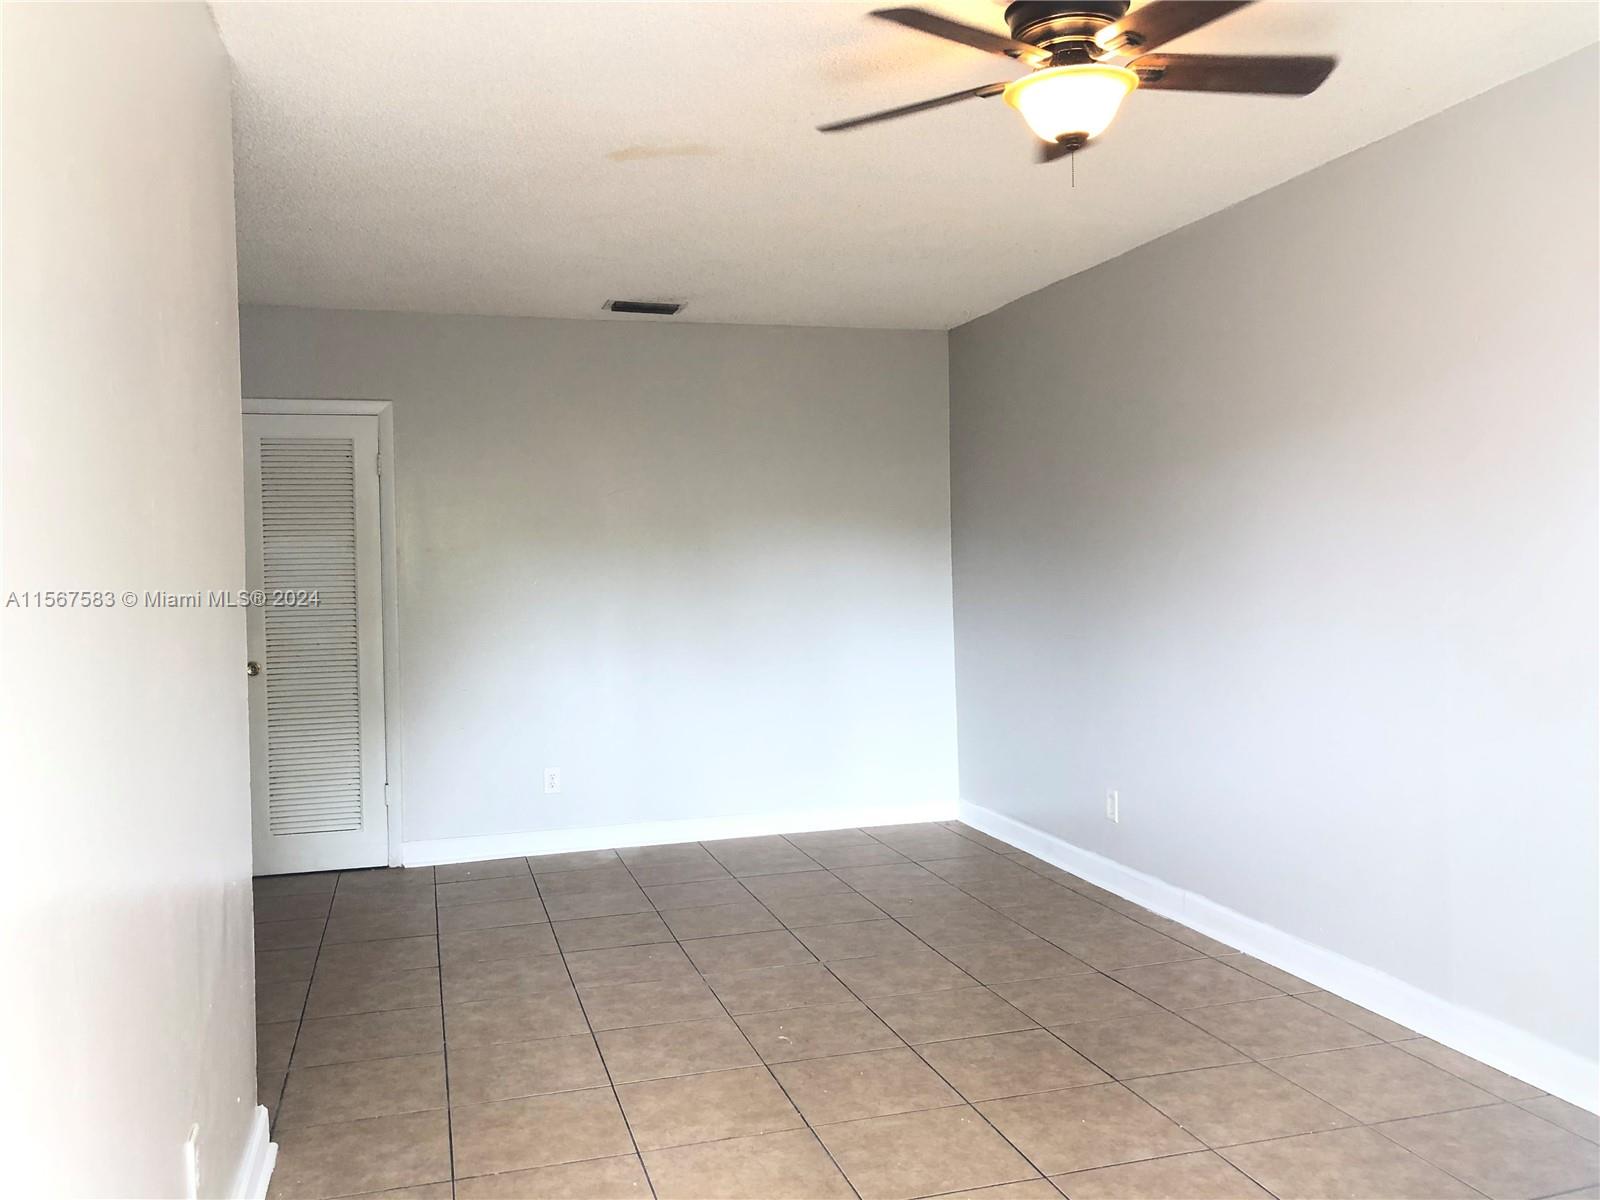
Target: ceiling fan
x=1088, y=55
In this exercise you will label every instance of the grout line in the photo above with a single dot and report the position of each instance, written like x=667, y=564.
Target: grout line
x=765, y=1066
x=444, y=1048
x=593, y=1038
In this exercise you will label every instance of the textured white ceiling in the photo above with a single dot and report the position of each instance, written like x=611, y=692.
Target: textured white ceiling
x=538, y=159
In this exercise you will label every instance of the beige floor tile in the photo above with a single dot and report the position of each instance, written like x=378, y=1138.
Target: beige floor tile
x=313, y=883
x=746, y=951
x=503, y=978
x=299, y=906
x=940, y=1016
x=597, y=904
x=514, y=1018
x=866, y=855
x=697, y=894
x=1380, y=1083
x=705, y=1108
x=351, y=1157
x=1155, y=1044
x=601, y=881
x=338, y=995
x=1346, y=1164
x=1132, y=947
x=483, y=891
x=1223, y=1106
x=797, y=1033
x=1180, y=932
x=1069, y=999
x=679, y=872
x=628, y=964
x=386, y=879
x=492, y=868
x=604, y=933
x=684, y=1048
x=494, y=914
x=376, y=903
x=769, y=989
x=771, y=1166
x=1012, y=961
x=1278, y=1027
x=1502, y=1151
x=274, y=1041
x=1362, y=1018
x=593, y=1179
x=507, y=1070
x=1569, y=1116
x=890, y=877
x=1289, y=984
x=944, y=930
x=795, y=883
x=537, y=1131
x=283, y=1000
x=375, y=927
x=1016, y=891
x=822, y=839
x=1028, y=1189
x=398, y=954
x=512, y=941
x=925, y=897
x=1496, y=1083
x=900, y=974
x=718, y=920
x=269, y=1092
x=1086, y=1127
x=368, y=1035
x=922, y=1154
x=861, y=939
x=840, y=908
x=1199, y=1176
x=286, y=935
x=1194, y=983
x=273, y=966
x=572, y=860
x=350, y=1091
x=777, y=862
x=1010, y=1064
x=653, y=1002
x=850, y=1087
x=673, y=852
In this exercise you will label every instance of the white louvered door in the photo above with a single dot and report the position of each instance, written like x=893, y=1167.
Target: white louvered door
x=316, y=703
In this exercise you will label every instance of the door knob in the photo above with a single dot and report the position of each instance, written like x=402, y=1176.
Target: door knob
x=252, y=669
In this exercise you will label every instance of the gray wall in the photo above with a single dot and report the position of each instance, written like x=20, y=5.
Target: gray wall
x=129, y=1005
x=1284, y=526
x=704, y=570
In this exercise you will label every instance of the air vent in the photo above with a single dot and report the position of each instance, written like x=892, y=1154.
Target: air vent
x=649, y=308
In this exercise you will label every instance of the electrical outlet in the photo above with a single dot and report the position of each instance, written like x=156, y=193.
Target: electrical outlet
x=552, y=780
x=1113, y=808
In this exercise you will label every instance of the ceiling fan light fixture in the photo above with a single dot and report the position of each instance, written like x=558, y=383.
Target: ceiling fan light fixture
x=1075, y=102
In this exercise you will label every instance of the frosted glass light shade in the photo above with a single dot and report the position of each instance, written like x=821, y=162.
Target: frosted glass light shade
x=1080, y=99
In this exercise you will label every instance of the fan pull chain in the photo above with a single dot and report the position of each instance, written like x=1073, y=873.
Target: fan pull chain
x=1074, y=159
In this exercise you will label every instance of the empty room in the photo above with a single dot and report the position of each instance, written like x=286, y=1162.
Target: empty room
x=788, y=600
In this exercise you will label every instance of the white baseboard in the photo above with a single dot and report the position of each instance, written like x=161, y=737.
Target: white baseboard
x=1505, y=1047
x=255, y=1164
x=662, y=833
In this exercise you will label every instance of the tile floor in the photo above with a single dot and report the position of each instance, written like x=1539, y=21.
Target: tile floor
x=905, y=1011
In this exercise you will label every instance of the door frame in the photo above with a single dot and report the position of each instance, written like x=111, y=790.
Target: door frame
x=390, y=568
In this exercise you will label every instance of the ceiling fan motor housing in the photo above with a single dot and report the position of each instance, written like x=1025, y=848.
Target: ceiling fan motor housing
x=1065, y=28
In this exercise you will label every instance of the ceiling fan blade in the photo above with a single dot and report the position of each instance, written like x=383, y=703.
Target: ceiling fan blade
x=905, y=110
x=924, y=21
x=1157, y=23
x=1286, y=75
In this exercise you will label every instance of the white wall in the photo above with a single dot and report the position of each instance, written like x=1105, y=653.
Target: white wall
x=127, y=1012
x=1284, y=525
x=704, y=570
